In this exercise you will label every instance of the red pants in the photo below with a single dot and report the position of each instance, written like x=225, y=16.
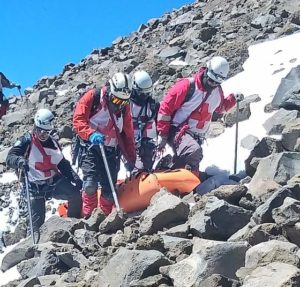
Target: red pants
x=3, y=108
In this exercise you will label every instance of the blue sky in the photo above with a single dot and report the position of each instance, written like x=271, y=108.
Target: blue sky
x=38, y=37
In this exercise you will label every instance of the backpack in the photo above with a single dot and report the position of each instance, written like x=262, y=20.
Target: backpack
x=77, y=146
x=191, y=89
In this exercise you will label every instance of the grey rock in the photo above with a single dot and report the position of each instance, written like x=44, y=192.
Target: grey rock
x=219, y=220
x=271, y=251
x=249, y=142
x=30, y=282
x=275, y=274
x=264, y=148
x=288, y=213
x=263, y=213
x=164, y=209
x=290, y=135
x=136, y=265
x=275, y=124
x=113, y=222
x=221, y=258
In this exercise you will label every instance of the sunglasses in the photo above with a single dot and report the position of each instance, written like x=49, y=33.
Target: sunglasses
x=119, y=102
x=212, y=83
x=43, y=132
x=220, y=78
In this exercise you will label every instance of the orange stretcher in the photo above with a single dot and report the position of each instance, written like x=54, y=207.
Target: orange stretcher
x=135, y=193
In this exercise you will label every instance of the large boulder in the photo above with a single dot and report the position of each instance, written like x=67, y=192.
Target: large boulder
x=275, y=124
x=263, y=214
x=275, y=274
x=164, y=209
x=278, y=167
x=264, y=148
x=291, y=136
x=222, y=258
x=129, y=265
x=219, y=220
x=287, y=94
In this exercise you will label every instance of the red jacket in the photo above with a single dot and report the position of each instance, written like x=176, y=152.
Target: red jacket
x=86, y=121
x=196, y=113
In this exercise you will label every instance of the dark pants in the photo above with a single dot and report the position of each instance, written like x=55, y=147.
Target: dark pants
x=94, y=171
x=61, y=188
x=145, y=156
x=187, y=153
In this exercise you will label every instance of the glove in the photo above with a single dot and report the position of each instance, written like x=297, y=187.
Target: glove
x=97, y=138
x=23, y=164
x=161, y=142
x=129, y=166
x=238, y=96
x=78, y=183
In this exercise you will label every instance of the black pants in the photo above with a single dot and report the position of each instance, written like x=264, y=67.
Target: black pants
x=61, y=188
x=145, y=156
x=94, y=171
x=187, y=152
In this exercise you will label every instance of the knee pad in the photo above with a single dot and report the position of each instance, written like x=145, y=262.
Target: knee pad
x=90, y=186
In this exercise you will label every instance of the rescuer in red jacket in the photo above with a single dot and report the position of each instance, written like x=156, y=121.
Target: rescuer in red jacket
x=183, y=122
x=110, y=124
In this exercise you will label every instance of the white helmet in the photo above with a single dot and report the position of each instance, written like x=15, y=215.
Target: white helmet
x=43, y=119
x=217, y=69
x=142, y=82
x=119, y=86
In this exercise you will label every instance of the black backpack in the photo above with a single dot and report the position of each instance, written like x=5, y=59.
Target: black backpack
x=78, y=145
x=191, y=89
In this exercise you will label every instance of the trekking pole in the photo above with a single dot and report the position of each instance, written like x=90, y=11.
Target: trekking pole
x=112, y=186
x=19, y=89
x=236, y=135
x=29, y=206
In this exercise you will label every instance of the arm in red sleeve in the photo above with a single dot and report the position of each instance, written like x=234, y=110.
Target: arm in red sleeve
x=128, y=135
x=170, y=104
x=226, y=103
x=229, y=102
x=82, y=115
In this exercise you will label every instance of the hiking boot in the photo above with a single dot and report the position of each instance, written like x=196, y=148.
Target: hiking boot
x=106, y=205
x=89, y=203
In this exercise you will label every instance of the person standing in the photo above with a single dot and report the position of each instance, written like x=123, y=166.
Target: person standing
x=105, y=121
x=144, y=111
x=5, y=83
x=186, y=112
x=49, y=174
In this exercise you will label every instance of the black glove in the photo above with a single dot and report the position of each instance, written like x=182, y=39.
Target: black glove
x=172, y=133
x=129, y=166
x=23, y=164
x=77, y=181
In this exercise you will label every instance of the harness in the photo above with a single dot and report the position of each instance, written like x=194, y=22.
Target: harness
x=80, y=147
x=139, y=123
x=40, y=188
x=183, y=127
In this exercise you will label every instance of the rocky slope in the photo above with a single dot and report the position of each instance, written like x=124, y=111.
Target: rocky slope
x=243, y=235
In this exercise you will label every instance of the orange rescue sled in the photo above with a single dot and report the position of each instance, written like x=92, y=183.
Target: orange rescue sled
x=136, y=192
x=178, y=180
